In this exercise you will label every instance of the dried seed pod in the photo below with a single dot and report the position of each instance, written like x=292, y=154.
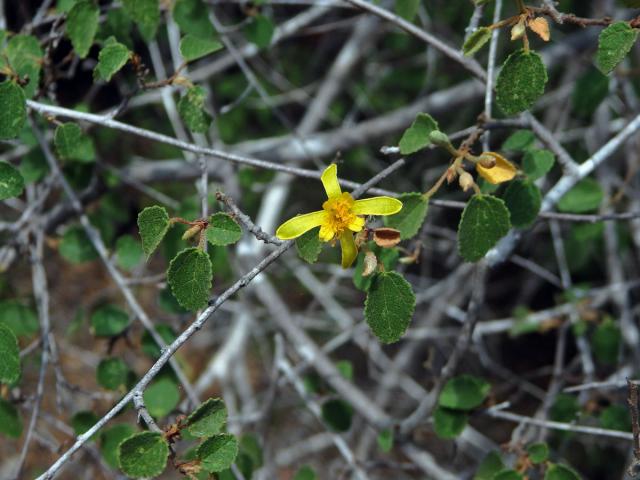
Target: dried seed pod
x=370, y=263
x=386, y=237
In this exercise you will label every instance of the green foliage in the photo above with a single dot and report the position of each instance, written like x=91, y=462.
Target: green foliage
x=112, y=373
x=149, y=345
x=448, y=423
x=13, y=110
x=416, y=137
x=407, y=9
x=9, y=356
x=208, y=419
x=146, y=14
x=75, y=246
x=616, y=417
x=385, y=440
x=192, y=17
x=508, y=475
x=128, y=252
x=585, y=196
x=83, y=421
x=109, y=321
x=561, y=472
x=161, y=397
x=409, y=220
x=259, y=31
x=538, y=452
x=589, y=92
x=523, y=199
x=111, y=438
x=305, y=473
x=25, y=58
x=337, y=414
x=520, y=141
x=191, y=108
x=143, y=455
x=73, y=144
x=153, y=224
x=565, y=408
x=10, y=420
x=389, y=306
x=193, y=47
x=189, y=277
x=614, y=43
x=606, y=342
x=484, y=221
x=309, y=245
x=464, y=392
x=218, y=452
x=223, y=230
x=521, y=82
x=20, y=319
x=82, y=26
x=111, y=59
x=476, y=41
x=388, y=257
x=11, y=181
x=489, y=467
x=537, y=163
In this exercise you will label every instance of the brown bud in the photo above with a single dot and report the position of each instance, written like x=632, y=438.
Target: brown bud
x=370, y=263
x=386, y=237
x=465, y=181
x=451, y=175
x=191, y=232
x=541, y=27
x=487, y=161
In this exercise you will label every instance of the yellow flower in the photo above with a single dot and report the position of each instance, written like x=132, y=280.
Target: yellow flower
x=502, y=171
x=340, y=216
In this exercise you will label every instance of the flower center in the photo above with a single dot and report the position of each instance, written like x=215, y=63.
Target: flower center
x=340, y=216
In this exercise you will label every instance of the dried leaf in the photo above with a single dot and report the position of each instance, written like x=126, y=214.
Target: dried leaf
x=370, y=263
x=386, y=237
x=541, y=27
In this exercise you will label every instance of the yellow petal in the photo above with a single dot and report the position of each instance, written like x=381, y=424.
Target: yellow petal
x=356, y=224
x=503, y=171
x=377, y=206
x=326, y=233
x=296, y=226
x=349, y=249
x=330, y=181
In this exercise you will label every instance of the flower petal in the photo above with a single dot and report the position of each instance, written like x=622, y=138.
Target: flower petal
x=377, y=206
x=349, y=249
x=502, y=171
x=326, y=233
x=296, y=226
x=330, y=181
x=356, y=224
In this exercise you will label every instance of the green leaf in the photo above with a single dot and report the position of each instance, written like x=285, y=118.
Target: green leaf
x=83, y=421
x=521, y=82
x=616, y=417
x=407, y=9
x=189, y=277
x=143, y=455
x=523, y=199
x=508, y=475
x=561, y=472
x=73, y=144
x=149, y=345
x=162, y=397
x=192, y=47
x=385, y=440
x=109, y=321
x=146, y=14
x=388, y=257
x=631, y=3
x=223, y=230
x=476, y=41
x=537, y=163
x=309, y=245
x=21, y=320
x=33, y=166
x=585, y=196
x=305, y=473
x=614, y=43
x=416, y=137
x=82, y=25
x=250, y=447
x=606, y=342
x=565, y=408
x=208, y=419
x=128, y=252
x=464, y=392
x=25, y=57
x=13, y=110
x=111, y=59
x=519, y=141
x=64, y=6
x=9, y=356
x=153, y=224
x=218, y=452
x=75, y=246
x=118, y=25
x=448, y=423
x=110, y=439
x=538, y=452
x=11, y=181
x=589, y=92
x=259, y=31
x=490, y=465
x=389, y=306
x=345, y=367
x=10, y=421
x=192, y=17
x=337, y=414
x=191, y=108
x=484, y=221
x=112, y=373
x=409, y=220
